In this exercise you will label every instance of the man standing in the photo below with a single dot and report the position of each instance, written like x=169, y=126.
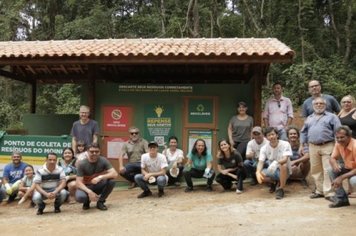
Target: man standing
x=277, y=154
x=314, y=88
x=346, y=148
x=85, y=129
x=253, y=152
x=318, y=134
x=95, y=179
x=13, y=173
x=133, y=149
x=278, y=111
x=153, y=167
x=50, y=182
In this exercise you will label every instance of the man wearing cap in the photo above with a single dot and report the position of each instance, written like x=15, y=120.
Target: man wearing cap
x=345, y=148
x=13, y=173
x=133, y=150
x=253, y=152
x=153, y=170
x=318, y=133
x=278, y=112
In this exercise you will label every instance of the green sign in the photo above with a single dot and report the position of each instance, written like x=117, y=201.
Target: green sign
x=158, y=122
x=32, y=147
x=200, y=111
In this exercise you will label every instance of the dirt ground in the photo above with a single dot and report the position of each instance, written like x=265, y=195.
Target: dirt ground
x=255, y=211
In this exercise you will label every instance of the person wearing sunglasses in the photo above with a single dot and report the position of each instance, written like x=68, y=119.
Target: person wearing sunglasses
x=95, y=179
x=278, y=112
x=132, y=150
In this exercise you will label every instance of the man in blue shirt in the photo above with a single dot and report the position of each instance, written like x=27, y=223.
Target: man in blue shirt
x=318, y=133
x=13, y=173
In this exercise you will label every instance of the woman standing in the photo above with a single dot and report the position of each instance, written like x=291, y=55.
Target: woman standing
x=174, y=157
x=347, y=114
x=68, y=164
x=239, y=129
x=199, y=165
x=230, y=166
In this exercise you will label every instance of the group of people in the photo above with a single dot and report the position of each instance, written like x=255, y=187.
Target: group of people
x=325, y=147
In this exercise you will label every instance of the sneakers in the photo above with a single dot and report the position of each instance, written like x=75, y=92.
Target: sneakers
x=39, y=212
x=238, y=191
x=272, y=188
x=279, y=193
x=339, y=204
x=57, y=210
x=145, y=193
x=188, y=189
x=160, y=193
x=101, y=206
x=41, y=207
x=316, y=195
x=86, y=205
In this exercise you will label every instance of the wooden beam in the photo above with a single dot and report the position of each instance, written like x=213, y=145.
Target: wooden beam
x=33, y=97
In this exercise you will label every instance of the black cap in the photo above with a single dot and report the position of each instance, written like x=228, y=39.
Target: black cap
x=153, y=143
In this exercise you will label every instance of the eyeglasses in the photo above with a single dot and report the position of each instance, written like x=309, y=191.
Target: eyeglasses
x=346, y=102
x=319, y=103
x=134, y=133
x=94, y=152
x=314, y=86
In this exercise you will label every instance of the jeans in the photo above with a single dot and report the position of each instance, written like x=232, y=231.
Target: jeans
x=160, y=180
x=195, y=173
x=103, y=189
x=61, y=196
x=131, y=169
x=340, y=193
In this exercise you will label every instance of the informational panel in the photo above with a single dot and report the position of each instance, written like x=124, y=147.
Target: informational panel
x=159, y=119
x=32, y=147
x=206, y=135
x=116, y=118
x=201, y=110
x=114, y=146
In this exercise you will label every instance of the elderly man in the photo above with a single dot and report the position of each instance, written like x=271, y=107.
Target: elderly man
x=277, y=154
x=95, y=179
x=13, y=173
x=253, y=152
x=278, y=112
x=50, y=181
x=85, y=130
x=318, y=133
x=133, y=149
x=153, y=167
x=315, y=91
x=346, y=148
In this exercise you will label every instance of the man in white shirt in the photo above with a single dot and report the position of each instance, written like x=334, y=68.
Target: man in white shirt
x=277, y=154
x=153, y=170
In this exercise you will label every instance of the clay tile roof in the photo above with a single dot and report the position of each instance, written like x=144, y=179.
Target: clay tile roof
x=265, y=48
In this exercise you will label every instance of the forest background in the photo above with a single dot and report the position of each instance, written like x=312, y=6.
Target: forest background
x=321, y=32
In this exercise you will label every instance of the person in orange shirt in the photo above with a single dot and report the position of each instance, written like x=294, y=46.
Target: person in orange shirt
x=345, y=168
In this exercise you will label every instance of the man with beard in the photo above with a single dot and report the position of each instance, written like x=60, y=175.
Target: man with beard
x=95, y=179
x=318, y=133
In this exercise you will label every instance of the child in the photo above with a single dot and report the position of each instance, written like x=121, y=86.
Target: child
x=26, y=187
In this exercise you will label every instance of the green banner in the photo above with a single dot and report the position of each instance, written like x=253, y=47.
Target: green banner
x=200, y=111
x=159, y=119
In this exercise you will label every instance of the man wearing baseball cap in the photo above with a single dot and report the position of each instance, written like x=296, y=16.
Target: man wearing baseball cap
x=253, y=152
x=153, y=170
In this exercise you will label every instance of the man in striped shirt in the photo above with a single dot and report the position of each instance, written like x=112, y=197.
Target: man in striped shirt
x=49, y=184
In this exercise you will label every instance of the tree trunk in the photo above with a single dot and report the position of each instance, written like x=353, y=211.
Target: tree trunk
x=336, y=32
x=251, y=16
x=163, y=18
x=348, y=32
x=301, y=29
